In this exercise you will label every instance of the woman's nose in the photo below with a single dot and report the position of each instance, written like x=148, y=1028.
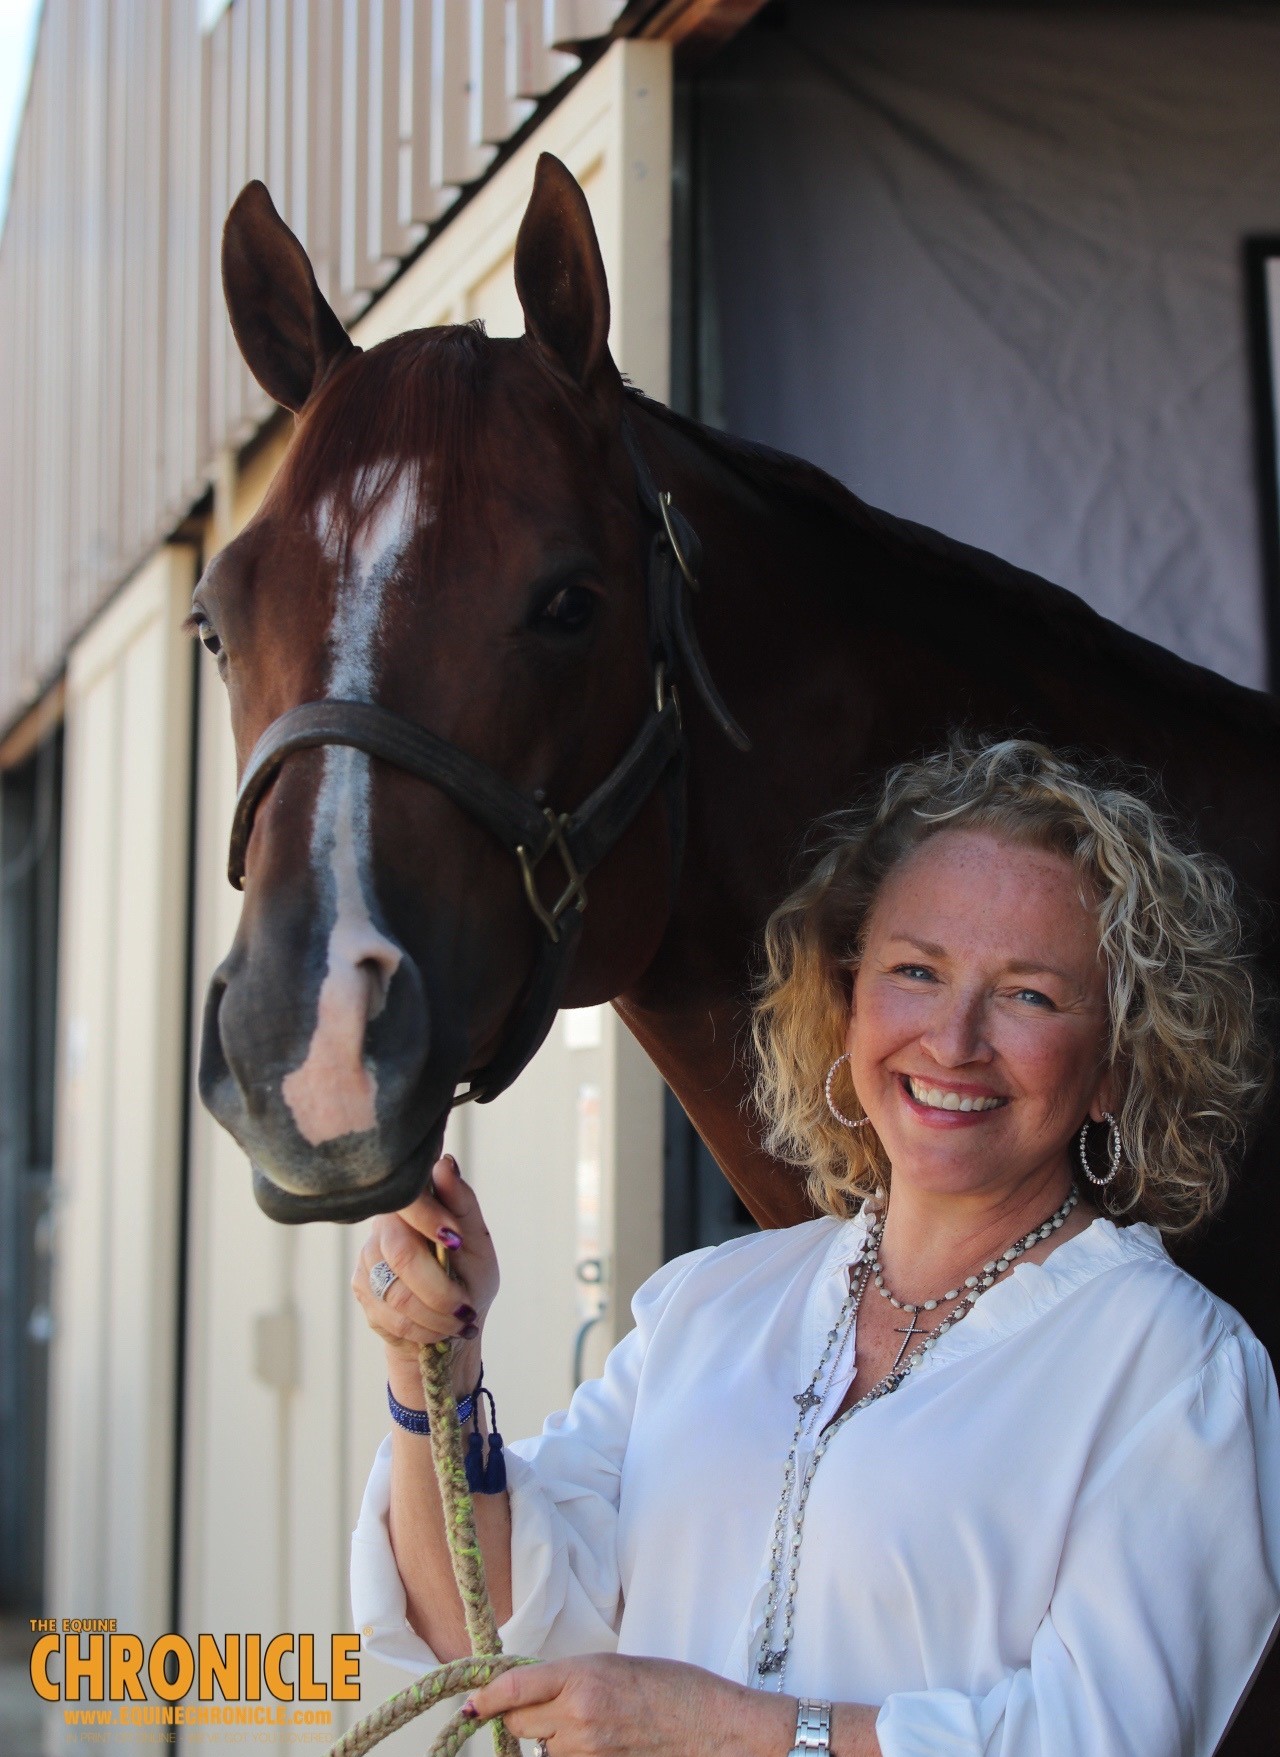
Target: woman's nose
x=957, y=1033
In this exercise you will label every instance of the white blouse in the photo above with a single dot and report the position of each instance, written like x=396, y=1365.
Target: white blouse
x=1059, y=1538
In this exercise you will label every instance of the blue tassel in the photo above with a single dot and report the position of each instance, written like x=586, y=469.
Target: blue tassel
x=495, y=1471
x=473, y=1464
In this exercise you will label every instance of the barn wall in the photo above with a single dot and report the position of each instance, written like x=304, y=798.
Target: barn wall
x=119, y=1106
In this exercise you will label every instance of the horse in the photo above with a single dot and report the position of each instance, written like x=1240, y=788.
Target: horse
x=537, y=688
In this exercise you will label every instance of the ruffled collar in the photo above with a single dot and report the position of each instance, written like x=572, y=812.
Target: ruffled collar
x=1029, y=1291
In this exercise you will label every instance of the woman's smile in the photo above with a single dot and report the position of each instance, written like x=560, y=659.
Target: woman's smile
x=946, y=1105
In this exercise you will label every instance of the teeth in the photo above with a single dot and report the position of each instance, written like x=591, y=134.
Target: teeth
x=938, y=1098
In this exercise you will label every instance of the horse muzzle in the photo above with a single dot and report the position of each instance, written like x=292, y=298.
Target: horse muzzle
x=328, y=1084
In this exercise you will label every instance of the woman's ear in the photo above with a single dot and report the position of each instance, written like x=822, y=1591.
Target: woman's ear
x=1106, y=1095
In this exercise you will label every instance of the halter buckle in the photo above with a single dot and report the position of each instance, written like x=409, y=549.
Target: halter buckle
x=574, y=893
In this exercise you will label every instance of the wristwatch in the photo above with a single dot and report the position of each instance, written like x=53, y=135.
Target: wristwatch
x=813, y=1728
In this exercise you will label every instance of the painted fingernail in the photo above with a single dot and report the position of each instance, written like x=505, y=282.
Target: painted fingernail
x=466, y=1313
x=469, y=1711
x=451, y=1239
x=469, y=1332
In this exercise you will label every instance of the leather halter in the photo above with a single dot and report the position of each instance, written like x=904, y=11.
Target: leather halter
x=526, y=826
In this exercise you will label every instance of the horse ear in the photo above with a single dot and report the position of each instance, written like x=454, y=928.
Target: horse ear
x=286, y=329
x=560, y=275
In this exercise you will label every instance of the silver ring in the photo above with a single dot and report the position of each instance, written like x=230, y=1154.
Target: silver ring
x=380, y=1278
x=542, y=1748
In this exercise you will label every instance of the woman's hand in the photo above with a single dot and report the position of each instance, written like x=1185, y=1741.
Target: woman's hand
x=609, y=1705
x=424, y=1304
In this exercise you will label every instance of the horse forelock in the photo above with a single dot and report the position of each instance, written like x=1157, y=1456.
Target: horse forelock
x=400, y=420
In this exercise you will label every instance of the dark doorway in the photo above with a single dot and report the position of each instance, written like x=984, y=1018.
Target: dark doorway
x=30, y=820
x=699, y=1207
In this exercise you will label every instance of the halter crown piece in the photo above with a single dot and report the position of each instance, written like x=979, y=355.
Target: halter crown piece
x=526, y=826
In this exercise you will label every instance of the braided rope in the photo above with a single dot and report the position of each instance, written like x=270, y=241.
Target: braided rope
x=487, y=1659
x=447, y=1680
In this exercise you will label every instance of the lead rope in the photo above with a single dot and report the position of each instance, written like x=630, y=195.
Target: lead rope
x=487, y=1658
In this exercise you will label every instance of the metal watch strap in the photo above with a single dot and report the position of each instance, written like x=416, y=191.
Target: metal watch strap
x=813, y=1727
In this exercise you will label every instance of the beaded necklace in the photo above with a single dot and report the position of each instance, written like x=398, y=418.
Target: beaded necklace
x=780, y=1606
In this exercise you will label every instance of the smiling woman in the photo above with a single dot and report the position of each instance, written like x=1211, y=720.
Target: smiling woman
x=1072, y=926
x=1030, y=1502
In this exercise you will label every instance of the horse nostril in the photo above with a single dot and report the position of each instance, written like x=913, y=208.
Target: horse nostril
x=213, y=1073
x=377, y=972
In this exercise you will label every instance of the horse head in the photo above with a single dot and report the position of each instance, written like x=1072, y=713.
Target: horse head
x=448, y=638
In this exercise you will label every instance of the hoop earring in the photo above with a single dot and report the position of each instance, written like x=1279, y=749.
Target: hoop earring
x=1113, y=1149
x=850, y=1122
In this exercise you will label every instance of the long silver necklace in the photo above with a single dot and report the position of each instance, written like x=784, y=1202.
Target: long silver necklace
x=783, y=1580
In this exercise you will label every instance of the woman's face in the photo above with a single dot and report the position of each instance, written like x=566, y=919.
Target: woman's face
x=980, y=986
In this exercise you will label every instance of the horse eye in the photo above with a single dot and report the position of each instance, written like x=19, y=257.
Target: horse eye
x=571, y=608
x=208, y=639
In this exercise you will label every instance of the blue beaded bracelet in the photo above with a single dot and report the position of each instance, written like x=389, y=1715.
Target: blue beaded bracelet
x=485, y=1475
x=415, y=1420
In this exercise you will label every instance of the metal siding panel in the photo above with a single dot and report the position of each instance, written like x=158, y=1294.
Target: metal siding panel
x=279, y=110
x=457, y=158
x=325, y=145
x=217, y=335
x=130, y=244
x=181, y=376
x=58, y=352
x=204, y=264
x=235, y=371
x=154, y=106
x=65, y=343
x=258, y=69
x=537, y=65
x=428, y=198
x=299, y=111
x=392, y=111
x=92, y=309
x=113, y=304
x=25, y=343
x=360, y=275
x=255, y=405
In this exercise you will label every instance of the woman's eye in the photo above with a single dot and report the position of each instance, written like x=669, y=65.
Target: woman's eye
x=572, y=607
x=1035, y=995
x=912, y=970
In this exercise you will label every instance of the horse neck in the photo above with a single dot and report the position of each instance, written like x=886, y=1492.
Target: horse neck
x=775, y=623
x=776, y=619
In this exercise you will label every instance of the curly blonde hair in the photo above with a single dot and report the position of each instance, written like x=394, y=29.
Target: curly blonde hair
x=1184, y=1037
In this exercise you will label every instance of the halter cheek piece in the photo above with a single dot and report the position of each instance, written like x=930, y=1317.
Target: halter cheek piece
x=529, y=829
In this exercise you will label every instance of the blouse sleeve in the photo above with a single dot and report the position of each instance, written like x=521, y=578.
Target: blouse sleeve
x=1166, y=1599
x=564, y=1484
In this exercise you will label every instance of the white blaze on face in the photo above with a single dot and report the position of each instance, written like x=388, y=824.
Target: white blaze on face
x=334, y=1092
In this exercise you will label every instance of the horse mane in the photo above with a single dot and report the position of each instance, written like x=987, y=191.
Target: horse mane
x=1015, y=594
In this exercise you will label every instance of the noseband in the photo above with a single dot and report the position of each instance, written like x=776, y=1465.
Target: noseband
x=530, y=829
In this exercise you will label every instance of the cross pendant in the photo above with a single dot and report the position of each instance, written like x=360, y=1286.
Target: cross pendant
x=906, y=1335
